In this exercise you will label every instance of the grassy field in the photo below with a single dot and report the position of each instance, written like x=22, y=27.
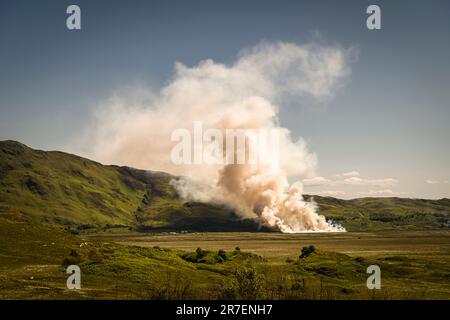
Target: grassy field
x=414, y=264
x=34, y=256
x=277, y=247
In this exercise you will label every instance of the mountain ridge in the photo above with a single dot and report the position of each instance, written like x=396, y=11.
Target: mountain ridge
x=66, y=189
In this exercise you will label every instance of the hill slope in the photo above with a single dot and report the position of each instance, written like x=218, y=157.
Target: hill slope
x=68, y=190
x=386, y=213
x=78, y=193
x=63, y=188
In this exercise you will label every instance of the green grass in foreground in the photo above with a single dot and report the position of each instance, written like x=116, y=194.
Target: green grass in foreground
x=33, y=257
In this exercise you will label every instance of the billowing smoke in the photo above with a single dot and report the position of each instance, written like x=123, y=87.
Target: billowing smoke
x=136, y=129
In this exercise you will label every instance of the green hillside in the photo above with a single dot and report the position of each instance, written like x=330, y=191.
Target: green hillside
x=366, y=214
x=65, y=189
x=81, y=194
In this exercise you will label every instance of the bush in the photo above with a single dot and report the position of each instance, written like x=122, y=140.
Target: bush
x=248, y=285
x=203, y=256
x=190, y=257
x=222, y=254
x=200, y=253
x=306, y=251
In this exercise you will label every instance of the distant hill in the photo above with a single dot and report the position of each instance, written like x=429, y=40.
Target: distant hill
x=77, y=193
x=385, y=213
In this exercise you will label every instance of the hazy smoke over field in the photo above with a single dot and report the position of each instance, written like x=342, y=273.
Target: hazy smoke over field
x=135, y=129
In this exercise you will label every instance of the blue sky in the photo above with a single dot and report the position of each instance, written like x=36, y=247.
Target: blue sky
x=390, y=120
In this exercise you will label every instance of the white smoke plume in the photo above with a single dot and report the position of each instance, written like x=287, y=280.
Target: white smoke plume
x=136, y=130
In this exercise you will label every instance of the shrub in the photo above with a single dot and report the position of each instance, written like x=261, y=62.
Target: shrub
x=306, y=251
x=203, y=256
x=222, y=254
x=190, y=257
x=200, y=253
x=249, y=284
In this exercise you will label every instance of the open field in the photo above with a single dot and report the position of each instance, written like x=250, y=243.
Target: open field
x=414, y=264
x=34, y=257
x=277, y=247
